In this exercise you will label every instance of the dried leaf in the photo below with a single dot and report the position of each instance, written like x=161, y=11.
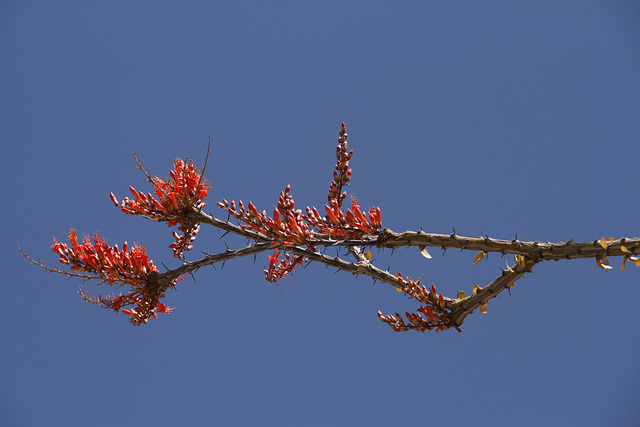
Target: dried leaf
x=603, y=263
x=425, y=253
x=483, y=307
x=461, y=294
x=623, y=248
x=570, y=240
x=624, y=261
x=367, y=255
x=478, y=257
x=603, y=242
x=519, y=259
x=475, y=288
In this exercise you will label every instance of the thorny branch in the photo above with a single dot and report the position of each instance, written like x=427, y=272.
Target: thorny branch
x=533, y=250
x=179, y=202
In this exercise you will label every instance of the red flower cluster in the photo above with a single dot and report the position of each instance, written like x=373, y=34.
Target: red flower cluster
x=352, y=225
x=434, y=311
x=280, y=268
x=128, y=266
x=146, y=309
x=175, y=199
x=342, y=174
x=289, y=227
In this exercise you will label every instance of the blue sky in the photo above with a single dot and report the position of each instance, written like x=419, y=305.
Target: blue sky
x=491, y=117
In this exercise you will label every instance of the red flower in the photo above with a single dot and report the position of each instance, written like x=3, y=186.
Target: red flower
x=127, y=267
x=131, y=265
x=175, y=199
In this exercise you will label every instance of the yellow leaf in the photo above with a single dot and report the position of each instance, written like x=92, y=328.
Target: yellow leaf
x=638, y=263
x=483, y=307
x=475, y=288
x=624, y=249
x=624, y=261
x=398, y=289
x=603, y=242
x=478, y=257
x=425, y=253
x=461, y=294
x=570, y=240
x=367, y=255
x=611, y=239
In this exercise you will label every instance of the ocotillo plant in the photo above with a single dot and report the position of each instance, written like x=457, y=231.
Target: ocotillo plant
x=296, y=238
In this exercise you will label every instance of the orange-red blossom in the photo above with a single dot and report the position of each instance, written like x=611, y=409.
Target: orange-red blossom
x=350, y=225
x=175, y=198
x=280, y=268
x=126, y=266
x=435, y=316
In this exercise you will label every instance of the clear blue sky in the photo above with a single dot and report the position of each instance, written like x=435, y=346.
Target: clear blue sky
x=491, y=117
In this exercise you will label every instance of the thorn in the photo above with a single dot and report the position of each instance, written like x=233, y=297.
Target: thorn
x=225, y=233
